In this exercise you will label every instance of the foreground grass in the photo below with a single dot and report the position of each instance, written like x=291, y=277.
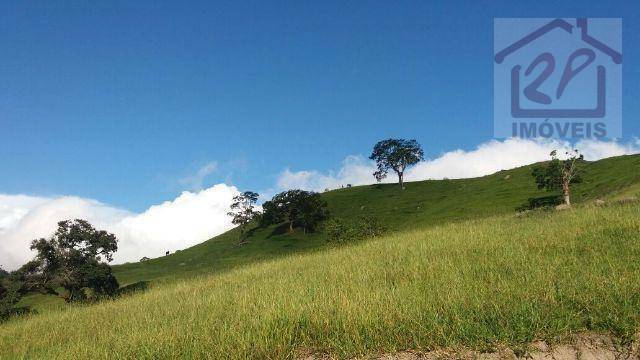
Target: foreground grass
x=477, y=283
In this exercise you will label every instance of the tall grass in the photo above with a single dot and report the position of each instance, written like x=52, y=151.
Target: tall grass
x=475, y=283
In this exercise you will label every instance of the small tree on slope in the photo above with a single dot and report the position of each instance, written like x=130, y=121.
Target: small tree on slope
x=243, y=210
x=397, y=155
x=559, y=174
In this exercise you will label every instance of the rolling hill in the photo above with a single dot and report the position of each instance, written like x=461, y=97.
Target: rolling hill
x=457, y=268
x=502, y=280
x=422, y=204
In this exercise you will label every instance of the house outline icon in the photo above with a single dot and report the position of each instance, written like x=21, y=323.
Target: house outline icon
x=598, y=112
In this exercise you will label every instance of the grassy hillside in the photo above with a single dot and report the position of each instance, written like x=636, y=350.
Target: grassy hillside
x=501, y=279
x=422, y=204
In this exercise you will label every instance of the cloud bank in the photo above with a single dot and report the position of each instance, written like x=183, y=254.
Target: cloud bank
x=188, y=220
x=486, y=159
x=195, y=216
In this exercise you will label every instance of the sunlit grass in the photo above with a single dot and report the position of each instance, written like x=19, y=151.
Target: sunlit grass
x=505, y=279
x=422, y=204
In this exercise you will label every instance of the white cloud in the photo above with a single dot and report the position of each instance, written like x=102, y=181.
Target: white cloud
x=594, y=150
x=188, y=220
x=15, y=207
x=486, y=159
x=194, y=182
x=355, y=170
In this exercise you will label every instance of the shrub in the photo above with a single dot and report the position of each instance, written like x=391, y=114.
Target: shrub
x=543, y=202
x=10, y=294
x=336, y=229
x=364, y=227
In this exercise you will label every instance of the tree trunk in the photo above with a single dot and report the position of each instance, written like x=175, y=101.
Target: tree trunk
x=400, y=175
x=290, y=227
x=566, y=192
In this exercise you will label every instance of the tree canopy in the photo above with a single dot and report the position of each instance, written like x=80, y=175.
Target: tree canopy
x=73, y=259
x=243, y=210
x=11, y=291
x=396, y=155
x=7, y=302
x=298, y=207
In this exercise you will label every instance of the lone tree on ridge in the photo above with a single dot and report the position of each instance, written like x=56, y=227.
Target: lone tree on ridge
x=397, y=155
x=560, y=174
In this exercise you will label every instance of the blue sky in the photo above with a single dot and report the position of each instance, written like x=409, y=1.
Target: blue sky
x=122, y=101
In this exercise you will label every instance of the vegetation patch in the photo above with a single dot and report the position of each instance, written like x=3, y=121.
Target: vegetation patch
x=339, y=230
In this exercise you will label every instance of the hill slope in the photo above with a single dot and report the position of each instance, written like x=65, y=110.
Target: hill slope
x=422, y=204
x=476, y=283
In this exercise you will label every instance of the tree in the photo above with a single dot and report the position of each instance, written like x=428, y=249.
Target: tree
x=311, y=211
x=559, y=174
x=283, y=207
x=298, y=207
x=11, y=291
x=7, y=302
x=72, y=259
x=3, y=291
x=397, y=155
x=271, y=213
x=243, y=210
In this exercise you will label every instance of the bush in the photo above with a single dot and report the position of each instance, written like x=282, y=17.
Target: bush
x=336, y=229
x=364, y=227
x=543, y=202
x=9, y=297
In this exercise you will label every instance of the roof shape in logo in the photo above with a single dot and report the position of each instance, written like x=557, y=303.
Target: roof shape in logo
x=566, y=26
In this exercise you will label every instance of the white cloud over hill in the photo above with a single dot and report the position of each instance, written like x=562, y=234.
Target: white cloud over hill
x=486, y=159
x=195, y=216
x=188, y=220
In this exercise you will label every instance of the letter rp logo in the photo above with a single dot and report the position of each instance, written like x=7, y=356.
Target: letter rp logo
x=558, y=78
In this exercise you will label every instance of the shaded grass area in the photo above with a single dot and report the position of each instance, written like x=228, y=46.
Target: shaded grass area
x=422, y=204
x=42, y=303
x=475, y=283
